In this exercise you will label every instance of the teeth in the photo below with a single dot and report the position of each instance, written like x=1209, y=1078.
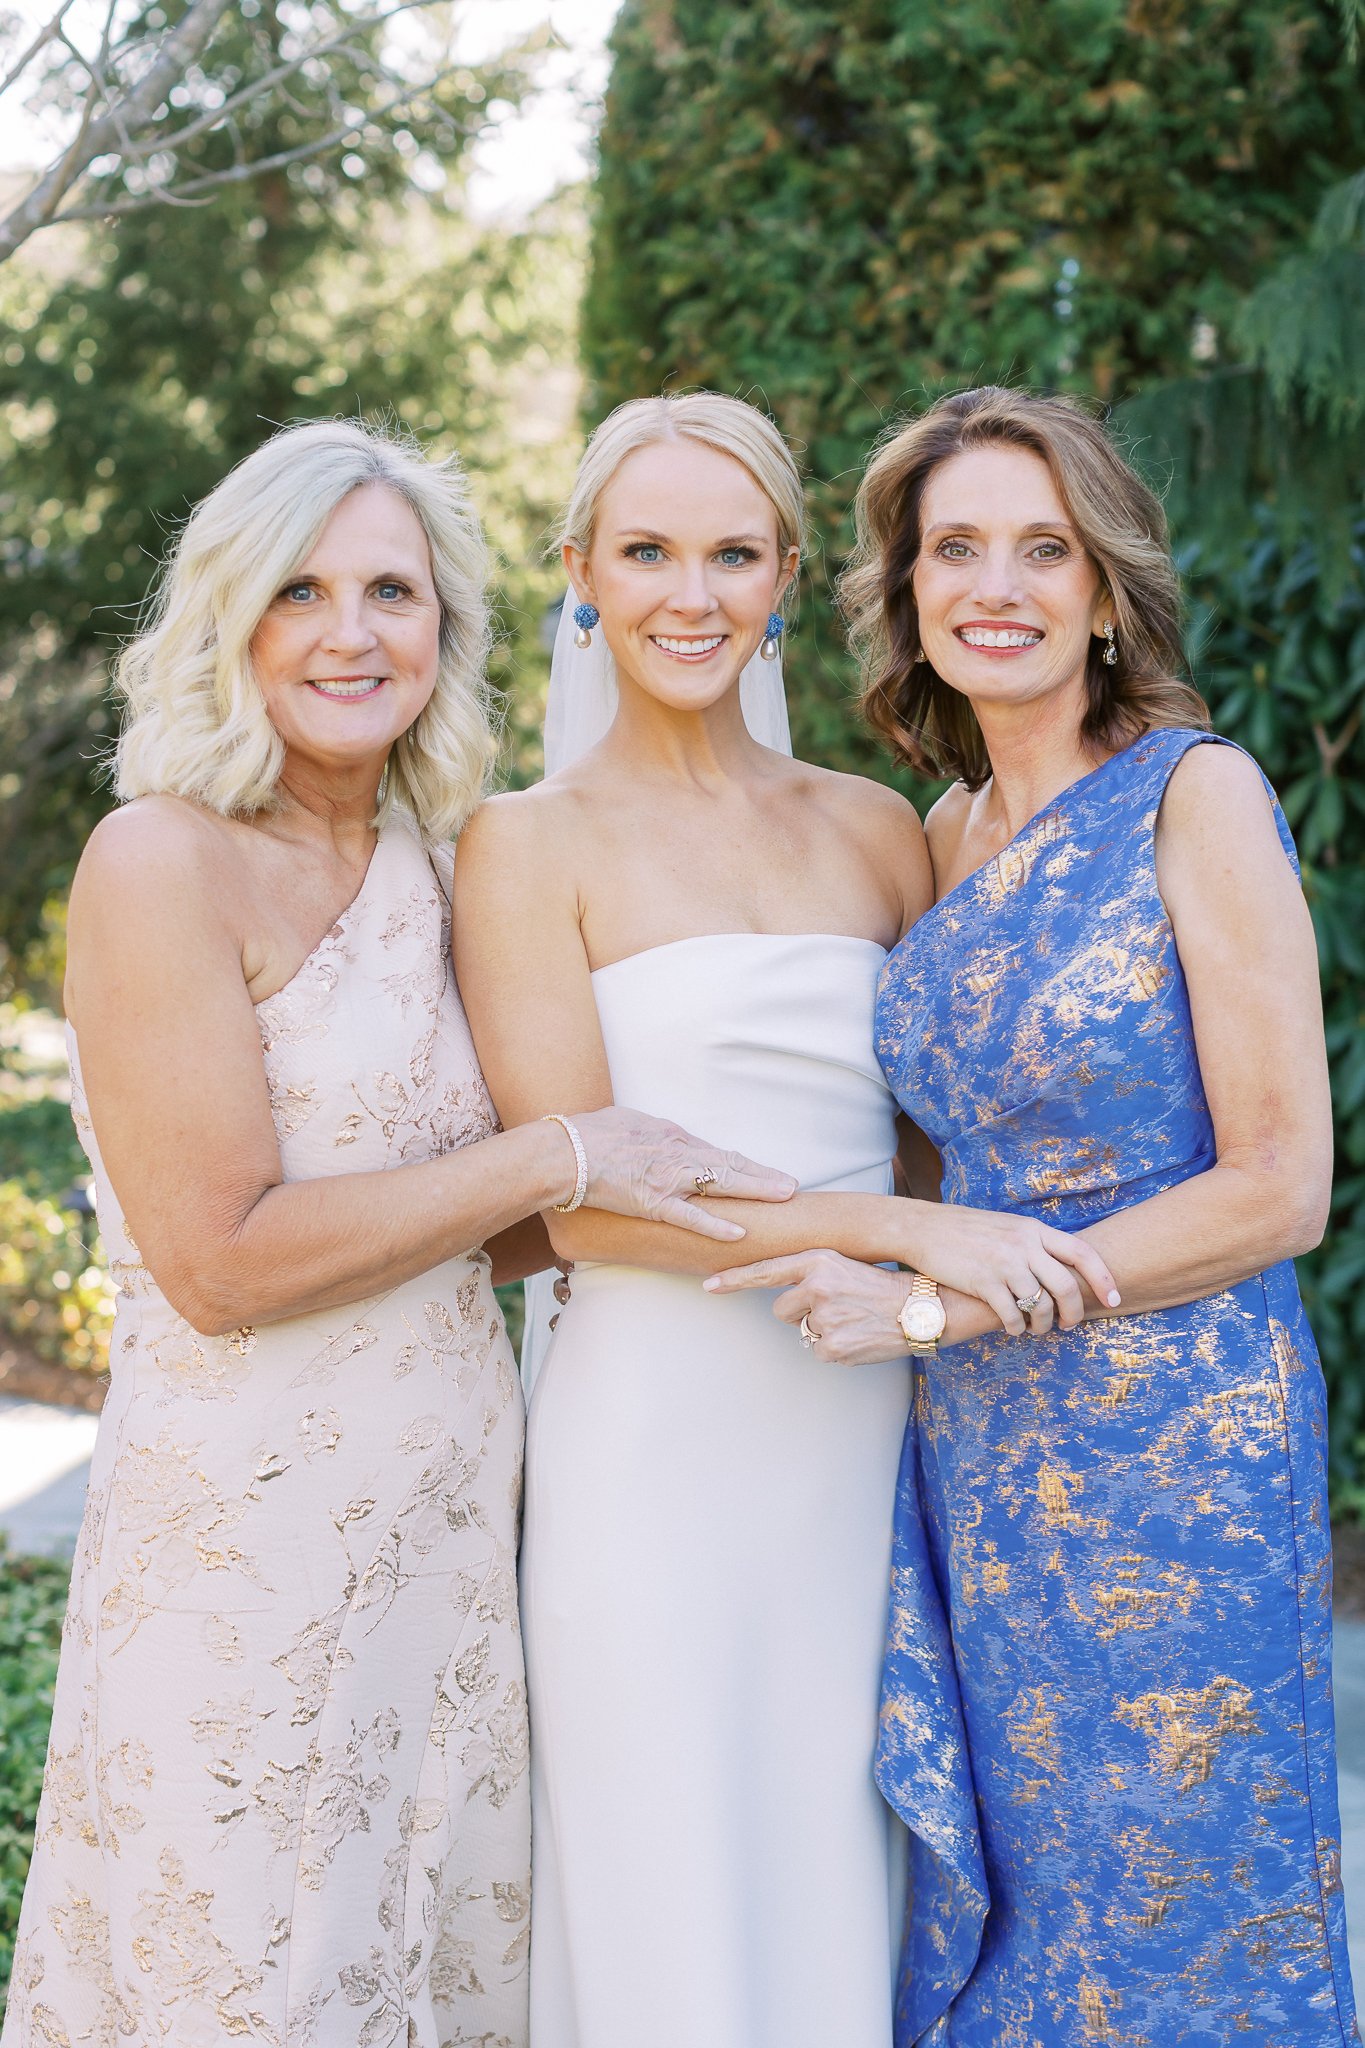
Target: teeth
x=360, y=688
x=986, y=636
x=688, y=646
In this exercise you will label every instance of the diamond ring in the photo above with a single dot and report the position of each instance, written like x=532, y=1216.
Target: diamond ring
x=703, y=1180
x=1027, y=1304
x=808, y=1336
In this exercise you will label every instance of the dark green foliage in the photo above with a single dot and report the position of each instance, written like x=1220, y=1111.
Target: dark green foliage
x=1282, y=661
x=1284, y=423
x=838, y=205
x=841, y=207
x=39, y=1148
x=167, y=349
x=32, y=1603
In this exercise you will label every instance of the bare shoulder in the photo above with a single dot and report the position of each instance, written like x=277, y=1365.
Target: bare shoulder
x=946, y=823
x=156, y=851
x=872, y=808
x=1215, y=789
x=1217, y=841
x=521, y=826
x=519, y=855
x=159, y=889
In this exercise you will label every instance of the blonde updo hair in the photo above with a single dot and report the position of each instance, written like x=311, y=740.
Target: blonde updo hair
x=729, y=425
x=195, y=723
x=1122, y=528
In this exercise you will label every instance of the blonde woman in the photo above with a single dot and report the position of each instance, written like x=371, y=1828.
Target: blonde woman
x=286, y=1792
x=690, y=919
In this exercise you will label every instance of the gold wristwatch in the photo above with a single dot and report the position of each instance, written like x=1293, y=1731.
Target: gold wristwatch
x=922, y=1317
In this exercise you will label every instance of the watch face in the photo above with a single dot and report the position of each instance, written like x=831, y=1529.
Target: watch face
x=922, y=1321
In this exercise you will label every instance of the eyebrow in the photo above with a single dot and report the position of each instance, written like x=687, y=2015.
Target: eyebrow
x=1038, y=526
x=730, y=540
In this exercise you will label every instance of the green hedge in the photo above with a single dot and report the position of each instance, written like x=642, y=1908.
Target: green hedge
x=1282, y=662
x=842, y=206
x=32, y=1603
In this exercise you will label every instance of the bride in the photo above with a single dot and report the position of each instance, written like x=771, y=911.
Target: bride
x=688, y=920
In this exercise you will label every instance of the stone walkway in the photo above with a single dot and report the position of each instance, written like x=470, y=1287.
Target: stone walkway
x=45, y=1454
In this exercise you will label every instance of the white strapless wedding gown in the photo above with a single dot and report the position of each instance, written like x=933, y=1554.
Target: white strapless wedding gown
x=706, y=1560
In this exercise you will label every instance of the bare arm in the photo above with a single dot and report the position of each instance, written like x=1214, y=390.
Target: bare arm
x=176, y=1083
x=527, y=988
x=1246, y=945
x=172, y=1062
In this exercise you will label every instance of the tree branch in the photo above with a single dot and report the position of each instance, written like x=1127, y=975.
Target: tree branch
x=35, y=48
x=98, y=136
x=199, y=191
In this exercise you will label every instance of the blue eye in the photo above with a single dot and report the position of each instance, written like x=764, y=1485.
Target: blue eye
x=390, y=591
x=297, y=592
x=645, y=551
x=736, y=558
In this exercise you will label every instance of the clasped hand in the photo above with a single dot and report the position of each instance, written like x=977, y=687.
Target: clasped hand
x=852, y=1309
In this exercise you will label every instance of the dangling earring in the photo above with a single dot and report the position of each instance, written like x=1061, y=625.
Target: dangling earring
x=1111, y=652
x=585, y=617
x=772, y=636
x=383, y=789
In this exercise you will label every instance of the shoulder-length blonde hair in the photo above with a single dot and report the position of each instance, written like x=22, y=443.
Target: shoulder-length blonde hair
x=729, y=425
x=1122, y=527
x=195, y=723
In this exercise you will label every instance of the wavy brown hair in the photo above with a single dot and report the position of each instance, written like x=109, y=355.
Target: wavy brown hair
x=1122, y=527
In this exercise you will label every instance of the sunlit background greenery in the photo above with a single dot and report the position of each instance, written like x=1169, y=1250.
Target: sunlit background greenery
x=836, y=207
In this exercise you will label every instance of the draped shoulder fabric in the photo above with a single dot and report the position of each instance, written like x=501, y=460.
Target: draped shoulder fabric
x=1128, y=1521
x=286, y=1797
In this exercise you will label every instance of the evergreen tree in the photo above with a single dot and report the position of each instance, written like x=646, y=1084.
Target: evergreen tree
x=840, y=205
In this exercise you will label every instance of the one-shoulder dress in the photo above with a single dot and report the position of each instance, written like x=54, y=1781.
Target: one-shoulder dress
x=286, y=1797
x=1127, y=1522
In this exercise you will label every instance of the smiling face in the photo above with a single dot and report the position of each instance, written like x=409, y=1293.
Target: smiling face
x=346, y=655
x=684, y=569
x=1008, y=599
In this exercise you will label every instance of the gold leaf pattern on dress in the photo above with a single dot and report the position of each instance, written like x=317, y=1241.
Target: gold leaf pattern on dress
x=1128, y=1520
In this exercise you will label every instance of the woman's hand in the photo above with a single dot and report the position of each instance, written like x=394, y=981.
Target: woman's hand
x=853, y=1309
x=1004, y=1260
x=643, y=1166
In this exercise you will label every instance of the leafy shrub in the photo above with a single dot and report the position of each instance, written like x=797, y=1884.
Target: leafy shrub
x=55, y=1295
x=39, y=1147
x=32, y=1602
x=840, y=205
x=1282, y=661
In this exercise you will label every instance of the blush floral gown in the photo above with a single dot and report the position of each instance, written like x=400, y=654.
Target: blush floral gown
x=1127, y=1522
x=286, y=1798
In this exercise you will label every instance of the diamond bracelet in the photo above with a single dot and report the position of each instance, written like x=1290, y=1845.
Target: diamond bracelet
x=580, y=1189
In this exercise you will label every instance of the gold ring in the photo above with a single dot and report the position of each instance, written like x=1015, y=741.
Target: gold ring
x=1027, y=1306
x=703, y=1180
x=808, y=1336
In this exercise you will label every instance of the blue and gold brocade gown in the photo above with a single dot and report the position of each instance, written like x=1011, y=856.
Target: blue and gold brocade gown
x=1127, y=1522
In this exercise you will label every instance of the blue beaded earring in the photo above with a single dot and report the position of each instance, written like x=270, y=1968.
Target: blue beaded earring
x=772, y=636
x=585, y=617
